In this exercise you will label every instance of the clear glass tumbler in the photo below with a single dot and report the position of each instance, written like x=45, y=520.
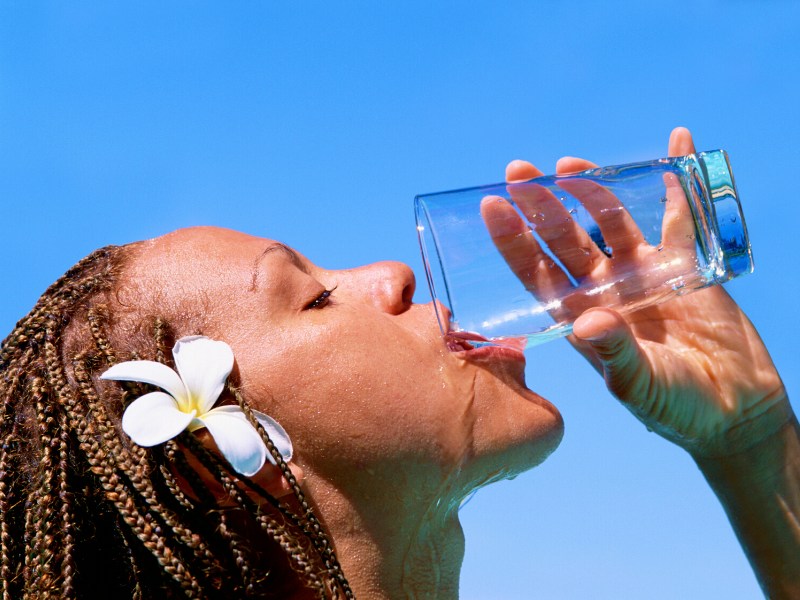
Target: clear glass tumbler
x=515, y=261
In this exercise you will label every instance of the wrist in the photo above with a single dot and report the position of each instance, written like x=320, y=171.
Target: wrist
x=753, y=431
x=753, y=457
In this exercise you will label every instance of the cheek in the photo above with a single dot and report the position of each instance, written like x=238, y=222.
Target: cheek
x=367, y=394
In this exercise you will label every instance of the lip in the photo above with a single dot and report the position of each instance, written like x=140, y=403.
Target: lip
x=475, y=347
x=491, y=353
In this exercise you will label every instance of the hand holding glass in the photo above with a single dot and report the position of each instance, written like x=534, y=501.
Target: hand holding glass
x=523, y=260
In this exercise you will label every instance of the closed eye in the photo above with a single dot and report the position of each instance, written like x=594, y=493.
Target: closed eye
x=321, y=301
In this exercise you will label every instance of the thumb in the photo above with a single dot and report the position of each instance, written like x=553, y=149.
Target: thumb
x=621, y=359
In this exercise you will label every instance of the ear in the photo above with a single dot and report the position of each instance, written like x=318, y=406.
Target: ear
x=271, y=479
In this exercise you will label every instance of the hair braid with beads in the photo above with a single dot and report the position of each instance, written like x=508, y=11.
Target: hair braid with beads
x=86, y=513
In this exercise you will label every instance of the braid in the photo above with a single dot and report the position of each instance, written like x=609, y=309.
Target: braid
x=6, y=501
x=97, y=317
x=309, y=521
x=118, y=491
x=221, y=525
x=84, y=512
x=66, y=510
x=38, y=579
x=136, y=471
x=297, y=555
x=160, y=331
x=176, y=458
x=74, y=285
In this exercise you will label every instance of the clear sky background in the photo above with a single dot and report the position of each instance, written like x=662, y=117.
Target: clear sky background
x=316, y=123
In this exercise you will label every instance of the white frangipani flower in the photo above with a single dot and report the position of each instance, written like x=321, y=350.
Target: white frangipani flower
x=203, y=366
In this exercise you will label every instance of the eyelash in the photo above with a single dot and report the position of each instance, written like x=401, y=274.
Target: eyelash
x=321, y=301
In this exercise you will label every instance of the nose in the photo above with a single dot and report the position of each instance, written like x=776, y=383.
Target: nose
x=388, y=285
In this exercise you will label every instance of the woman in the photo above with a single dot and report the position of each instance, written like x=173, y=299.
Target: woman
x=111, y=488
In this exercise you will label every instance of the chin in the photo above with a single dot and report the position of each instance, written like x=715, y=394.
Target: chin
x=514, y=459
x=543, y=435
x=518, y=428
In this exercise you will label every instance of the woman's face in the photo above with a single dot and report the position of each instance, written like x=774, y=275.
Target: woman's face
x=356, y=372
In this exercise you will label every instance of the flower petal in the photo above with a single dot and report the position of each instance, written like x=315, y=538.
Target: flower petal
x=204, y=365
x=154, y=418
x=147, y=371
x=276, y=433
x=278, y=436
x=238, y=441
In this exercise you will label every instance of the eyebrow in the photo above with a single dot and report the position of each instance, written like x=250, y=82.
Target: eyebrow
x=276, y=247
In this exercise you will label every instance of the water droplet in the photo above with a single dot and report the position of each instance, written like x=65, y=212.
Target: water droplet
x=573, y=210
x=660, y=248
x=586, y=251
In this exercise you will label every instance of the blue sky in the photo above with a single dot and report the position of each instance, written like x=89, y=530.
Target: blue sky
x=316, y=123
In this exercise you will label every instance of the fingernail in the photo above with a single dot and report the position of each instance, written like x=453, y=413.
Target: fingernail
x=598, y=336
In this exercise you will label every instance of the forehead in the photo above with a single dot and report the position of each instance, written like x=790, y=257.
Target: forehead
x=205, y=257
x=207, y=241
x=206, y=275
x=209, y=247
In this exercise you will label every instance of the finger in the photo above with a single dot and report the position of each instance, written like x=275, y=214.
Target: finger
x=680, y=142
x=622, y=234
x=622, y=361
x=568, y=241
x=619, y=230
x=571, y=164
x=515, y=241
x=520, y=170
x=677, y=228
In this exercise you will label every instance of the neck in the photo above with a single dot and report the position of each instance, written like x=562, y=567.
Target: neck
x=392, y=545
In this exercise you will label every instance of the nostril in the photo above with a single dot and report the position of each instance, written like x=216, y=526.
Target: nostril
x=409, y=282
x=408, y=293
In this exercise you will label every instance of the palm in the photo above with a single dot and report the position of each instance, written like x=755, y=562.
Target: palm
x=705, y=371
x=693, y=369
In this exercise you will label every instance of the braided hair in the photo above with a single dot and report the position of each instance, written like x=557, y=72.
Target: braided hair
x=85, y=512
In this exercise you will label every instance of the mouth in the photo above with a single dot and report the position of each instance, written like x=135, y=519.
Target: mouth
x=463, y=341
x=475, y=347
x=472, y=346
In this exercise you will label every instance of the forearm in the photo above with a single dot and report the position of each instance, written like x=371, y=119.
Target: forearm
x=760, y=492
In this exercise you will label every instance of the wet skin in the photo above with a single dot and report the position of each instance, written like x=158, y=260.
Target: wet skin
x=391, y=429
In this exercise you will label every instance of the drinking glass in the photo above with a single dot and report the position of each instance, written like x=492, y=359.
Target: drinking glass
x=521, y=261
